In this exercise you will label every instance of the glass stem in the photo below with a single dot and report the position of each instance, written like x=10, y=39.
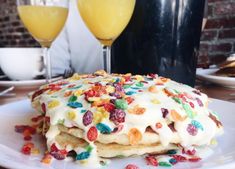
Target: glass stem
x=47, y=57
x=107, y=58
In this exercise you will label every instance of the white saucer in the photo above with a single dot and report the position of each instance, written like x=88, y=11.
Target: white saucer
x=25, y=83
x=208, y=75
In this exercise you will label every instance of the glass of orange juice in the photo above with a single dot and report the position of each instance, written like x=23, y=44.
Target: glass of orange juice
x=106, y=19
x=44, y=19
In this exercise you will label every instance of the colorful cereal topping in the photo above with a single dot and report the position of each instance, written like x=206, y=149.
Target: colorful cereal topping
x=132, y=166
x=92, y=134
x=134, y=136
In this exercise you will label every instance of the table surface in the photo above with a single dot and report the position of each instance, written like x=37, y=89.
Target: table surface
x=211, y=90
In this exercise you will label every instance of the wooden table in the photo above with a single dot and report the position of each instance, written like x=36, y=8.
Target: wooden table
x=211, y=90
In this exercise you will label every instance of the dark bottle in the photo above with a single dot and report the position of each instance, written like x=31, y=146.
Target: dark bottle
x=162, y=37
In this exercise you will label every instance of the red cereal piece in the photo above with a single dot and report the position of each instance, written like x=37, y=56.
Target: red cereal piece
x=109, y=107
x=194, y=159
x=131, y=166
x=189, y=152
x=179, y=158
x=26, y=149
x=191, y=104
x=151, y=160
x=54, y=148
x=27, y=138
x=92, y=134
x=20, y=128
x=43, y=106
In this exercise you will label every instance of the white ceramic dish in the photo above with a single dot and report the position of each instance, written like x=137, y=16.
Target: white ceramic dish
x=25, y=83
x=207, y=75
x=18, y=113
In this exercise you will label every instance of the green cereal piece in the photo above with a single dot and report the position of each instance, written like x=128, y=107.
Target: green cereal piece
x=139, y=84
x=164, y=164
x=73, y=98
x=189, y=111
x=126, y=86
x=176, y=99
x=89, y=148
x=121, y=104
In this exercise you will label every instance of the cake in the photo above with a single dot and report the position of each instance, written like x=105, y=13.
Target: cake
x=98, y=116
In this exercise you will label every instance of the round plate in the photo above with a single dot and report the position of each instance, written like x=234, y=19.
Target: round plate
x=25, y=83
x=19, y=112
x=208, y=75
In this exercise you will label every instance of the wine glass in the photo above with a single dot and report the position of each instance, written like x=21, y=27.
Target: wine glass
x=106, y=19
x=44, y=19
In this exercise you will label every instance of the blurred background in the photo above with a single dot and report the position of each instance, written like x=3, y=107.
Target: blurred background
x=217, y=40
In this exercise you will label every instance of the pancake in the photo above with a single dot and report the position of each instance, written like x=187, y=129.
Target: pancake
x=104, y=115
x=227, y=71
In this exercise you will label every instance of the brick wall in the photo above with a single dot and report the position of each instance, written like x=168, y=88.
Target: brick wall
x=218, y=38
x=217, y=41
x=12, y=32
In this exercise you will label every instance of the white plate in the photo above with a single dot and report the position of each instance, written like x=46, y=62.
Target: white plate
x=207, y=75
x=25, y=83
x=18, y=113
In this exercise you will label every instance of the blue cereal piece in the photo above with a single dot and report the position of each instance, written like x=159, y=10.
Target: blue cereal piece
x=75, y=105
x=104, y=129
x=83, y=156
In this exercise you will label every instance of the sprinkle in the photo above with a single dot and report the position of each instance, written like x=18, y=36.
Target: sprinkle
x=89, y=148
x=151, y=160
x=192, y=130
x=68, y=93
x=179, y=158
x=194, y=159
x=134, y=136
x=153, y=89
x=131, y=166
x=87, y=118
x=199, y=102
x=104, y=129
x=71, y=115
x=173, y=161
x=158, y=125
x=155, y=101
x=171, y=152
x=118, y=129
x=110, y=89
x=92, y=134
x=177, y=100
x=117, y=116
x=188, y=111
x=52, y=104
x=164, y=164
x=197, y=124
x=176, y=116
x=121, y=104
x=189, y=152
x=83, y=156
x=75, y=105
x=137, y=110
x=129, y=100
x=191, y=104
x=165, y=112
x=139, y=84
x=126, y=86
x=43, y=106
x=73, y=98
x=46, y=159
x=78, y=93
x=130, y=93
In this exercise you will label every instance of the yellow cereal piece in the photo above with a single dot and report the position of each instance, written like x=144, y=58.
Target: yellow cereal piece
x=98, y=117
x=52, y=104
x=94, y=99
x=134, y=136
x=75, y=77
x=110, y=89
x=176, y=116
x=71, y=115
x=139, y=78
x=137, y=110
x=78, y=93
x=101, y=109
x=35, y=151
x=155, y=101
x=153, y=89
x=51, y=92
x=86, y=81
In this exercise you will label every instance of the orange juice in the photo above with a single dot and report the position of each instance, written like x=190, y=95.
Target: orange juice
x=106, y=19
x=43, y=22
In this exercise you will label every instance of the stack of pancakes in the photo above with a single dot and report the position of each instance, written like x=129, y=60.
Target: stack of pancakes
x=99, y=115
x=227, y=68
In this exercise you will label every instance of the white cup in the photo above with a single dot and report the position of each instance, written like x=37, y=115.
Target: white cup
x=22, y=63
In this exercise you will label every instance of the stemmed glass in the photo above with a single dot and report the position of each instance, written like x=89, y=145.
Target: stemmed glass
x=106, y=19
x=44, y=19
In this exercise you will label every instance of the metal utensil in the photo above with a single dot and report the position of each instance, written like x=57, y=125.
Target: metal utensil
x=4, y=92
